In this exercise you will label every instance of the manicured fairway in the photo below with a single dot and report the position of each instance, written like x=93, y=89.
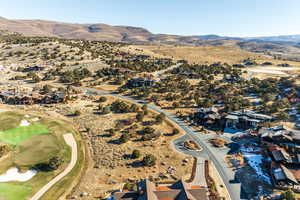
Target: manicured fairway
x=30, y=144
x=10, y=191
x=15, y=136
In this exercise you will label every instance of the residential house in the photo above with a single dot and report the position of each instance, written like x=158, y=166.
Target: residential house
x=140, y=82
x=245, y=120
x=208, y=117
x=283, y=175
x=280, y=135
x=180, y=190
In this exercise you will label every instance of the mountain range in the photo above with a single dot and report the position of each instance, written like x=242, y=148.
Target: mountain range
x=129, y=34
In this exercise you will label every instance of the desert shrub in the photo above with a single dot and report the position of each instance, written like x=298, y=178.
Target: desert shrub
x=175, y=131
x=77, y=113
x=120, y=107
x=159, y=118
x=124, y=138
x=105, y=110
x=139, y=116
x=149, y=160
x=102, y=99
x=136, y=153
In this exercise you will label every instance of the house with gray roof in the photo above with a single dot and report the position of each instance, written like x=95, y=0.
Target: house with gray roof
x=245, y=119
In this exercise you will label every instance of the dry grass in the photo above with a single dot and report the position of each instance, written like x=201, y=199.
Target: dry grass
x=227, y=53
x=201, y=54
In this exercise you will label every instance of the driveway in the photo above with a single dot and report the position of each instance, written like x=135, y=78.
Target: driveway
x=70, y=140
x=157, y=74
x=200, y=173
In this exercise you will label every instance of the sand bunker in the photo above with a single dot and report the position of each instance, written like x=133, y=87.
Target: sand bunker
x=13, y=174
x=35, y=119
x=24, y=123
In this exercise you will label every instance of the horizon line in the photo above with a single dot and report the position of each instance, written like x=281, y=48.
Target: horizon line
x=137, y=26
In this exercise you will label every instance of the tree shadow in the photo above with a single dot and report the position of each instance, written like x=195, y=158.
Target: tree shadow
x=148, y=123
x=114, y=141
x=70, y=115
x=233, y=148
x=127, y=156
x=97, y=112
x=168, y=134
x=43, y=167
x=135, y=164
x=105, y=135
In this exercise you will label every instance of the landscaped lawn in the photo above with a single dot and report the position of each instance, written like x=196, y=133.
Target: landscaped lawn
x=17, y=135
x=9, y=191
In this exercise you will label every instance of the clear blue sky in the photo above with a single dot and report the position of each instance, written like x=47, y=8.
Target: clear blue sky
x=186, y=17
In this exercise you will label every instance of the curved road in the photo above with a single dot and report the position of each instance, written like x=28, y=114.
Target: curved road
x=226, y=173
x=70, y=140
x=208, y=152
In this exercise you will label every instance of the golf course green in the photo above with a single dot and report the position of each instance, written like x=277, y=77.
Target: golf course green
x=15, y=136
x=12, y=191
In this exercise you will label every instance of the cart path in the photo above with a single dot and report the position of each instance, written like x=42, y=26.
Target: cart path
x=70, y=140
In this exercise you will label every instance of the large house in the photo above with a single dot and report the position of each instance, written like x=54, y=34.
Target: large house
x=245, y=120
x=180, y=190
x=140, y=82
x=208, y=117
x=280, y=135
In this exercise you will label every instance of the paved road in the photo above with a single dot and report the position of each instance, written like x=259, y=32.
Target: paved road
x=213, y=154
x=208, y=152
x=70, y=140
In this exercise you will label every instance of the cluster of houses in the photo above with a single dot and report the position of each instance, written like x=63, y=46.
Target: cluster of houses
x=231, y=122
x=20, y=98
x=283, y=146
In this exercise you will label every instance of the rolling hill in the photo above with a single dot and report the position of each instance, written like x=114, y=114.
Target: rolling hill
x=128, y=34
x=284, y=47
x=121, y=33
